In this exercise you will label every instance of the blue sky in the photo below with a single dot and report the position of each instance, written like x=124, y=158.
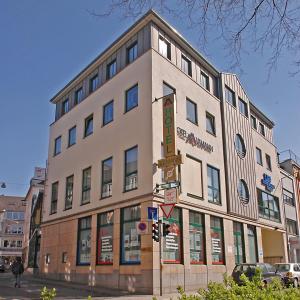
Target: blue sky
x=44, y=44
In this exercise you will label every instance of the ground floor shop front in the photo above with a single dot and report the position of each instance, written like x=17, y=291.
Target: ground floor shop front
x=108, y=248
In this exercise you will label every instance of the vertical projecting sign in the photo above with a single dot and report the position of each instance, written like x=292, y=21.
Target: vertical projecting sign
x=169, y=134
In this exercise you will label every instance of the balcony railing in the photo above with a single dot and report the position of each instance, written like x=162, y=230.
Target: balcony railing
x=289, y=155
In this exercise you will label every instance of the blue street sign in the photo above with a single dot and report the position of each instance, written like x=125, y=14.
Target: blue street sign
x=152, y=213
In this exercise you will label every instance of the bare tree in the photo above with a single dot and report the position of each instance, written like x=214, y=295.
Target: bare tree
x=243, y=25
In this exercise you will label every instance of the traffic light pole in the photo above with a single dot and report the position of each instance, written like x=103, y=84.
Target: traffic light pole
x=160, y=256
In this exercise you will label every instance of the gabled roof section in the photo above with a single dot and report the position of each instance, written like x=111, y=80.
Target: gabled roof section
x=151, y=15
x=253, y=107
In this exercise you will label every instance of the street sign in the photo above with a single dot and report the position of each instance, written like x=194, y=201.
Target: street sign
x=142, y=227
x=169, y=185
x=170, y=161
x=152, y=213
x=167, y=209
x=171, y=196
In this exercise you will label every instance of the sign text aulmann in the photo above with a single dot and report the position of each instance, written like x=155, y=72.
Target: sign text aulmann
x=194, y=141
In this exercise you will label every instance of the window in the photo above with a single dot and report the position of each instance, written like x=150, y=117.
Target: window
x=19, y=244
x=252, y=244
x=72, y=136
x=130, y=239
x=106, y=178
x=230, y=96
x=88, y=126
x=268, y=162
x=243, y=107
x=105, y=238
x=167, y=89
x=132, y=53
x=108, y=112
x=111, y=69
x=54, y=197
x=65, y=107
x=94, y=82
x=262, y=129
x=268, y=206
x=78, y=96
x=164, y=47
x=69, y=192
x=240, y=146
x=186, y=65
x=64, y=257
x=239, y=247
x=210, y=124
x=204, y=80
x=253, y=122
x=243, y=192
x=57, y=145
x=47, y=259
x=291, y=227
x=191, y=111
x=217, y=242
x=197, y=238
x=172, y=243
x=131, y=98
x=213, y=180
x=86, y=186
x=84, y=241
x=259, y=157
x=194, y=186
x=131, y=170
x=288, y=197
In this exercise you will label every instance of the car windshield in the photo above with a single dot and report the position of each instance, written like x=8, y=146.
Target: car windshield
x=283, y=267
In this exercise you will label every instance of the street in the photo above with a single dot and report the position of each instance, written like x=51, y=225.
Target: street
x=31, y=287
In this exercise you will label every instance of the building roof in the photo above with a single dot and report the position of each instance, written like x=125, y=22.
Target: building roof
x=12, y=203
x=151, y=15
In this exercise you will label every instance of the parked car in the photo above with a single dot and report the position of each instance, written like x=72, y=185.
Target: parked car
x=290, y=273
x=268, y=272
x=2, y=265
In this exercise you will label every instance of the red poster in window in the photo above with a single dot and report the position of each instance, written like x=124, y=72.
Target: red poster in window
x=105, y=245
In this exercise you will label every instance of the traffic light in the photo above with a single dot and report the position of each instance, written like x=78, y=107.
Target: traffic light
x=157, y=188
x=155, y=232
x=166, y=229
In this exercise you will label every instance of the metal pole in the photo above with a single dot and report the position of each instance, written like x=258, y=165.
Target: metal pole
x=160, y=256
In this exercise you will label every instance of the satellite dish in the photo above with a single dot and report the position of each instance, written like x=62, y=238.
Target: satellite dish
x=3, y=185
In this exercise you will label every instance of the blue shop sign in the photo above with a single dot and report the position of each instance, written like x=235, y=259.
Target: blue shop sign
x=266, y=181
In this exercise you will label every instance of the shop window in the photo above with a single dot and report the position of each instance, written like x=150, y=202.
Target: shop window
x=84, y=241
x=130, y=239
x=105, y=238
x=172, y=243
x=197, y=238
x=252, y=244
x=217, y=241
x=239, y=246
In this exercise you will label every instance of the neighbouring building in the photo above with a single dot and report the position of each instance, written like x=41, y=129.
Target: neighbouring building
x=33, y=217
x=104, y=146
x=11, y=227
x=290, y=165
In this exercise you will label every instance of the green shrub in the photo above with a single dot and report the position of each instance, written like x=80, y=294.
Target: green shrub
x=253, y=289
x=48, y=294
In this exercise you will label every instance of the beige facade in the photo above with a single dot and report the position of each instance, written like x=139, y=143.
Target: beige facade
x=213, y=218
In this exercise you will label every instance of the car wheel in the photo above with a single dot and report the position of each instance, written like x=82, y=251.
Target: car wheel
x=295, y=283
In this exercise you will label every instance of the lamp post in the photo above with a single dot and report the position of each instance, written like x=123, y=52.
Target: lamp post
x=2, y=184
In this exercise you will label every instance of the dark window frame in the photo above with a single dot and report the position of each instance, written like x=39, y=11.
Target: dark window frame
x=69, y=135
x=195, y=108
x=255, y=240
x=67, y=194
x=244, y=106
x=127, y=109
x=205, y=85
x=125, y=169
x=78, y=96
x=258, y=150
x=239, y=140
x=88, y=119
x=111, y=102
x=65, y=107
x=88, y=188
x=93, y=87
x=211, y=117
x=229, y=91
x=236, y=234
x=189, y=65
x=287, y=199
x=253, y=122
x=268, y=162
x=79, y=230
x=56, y=151
x=135, y=55
x=261, y=129
x=212, y=187
x=168, y=46
x=289, y=224
x=54, y=198
x=219, y=229
x=109, y=72
x=102, y=176
x=265, y=212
